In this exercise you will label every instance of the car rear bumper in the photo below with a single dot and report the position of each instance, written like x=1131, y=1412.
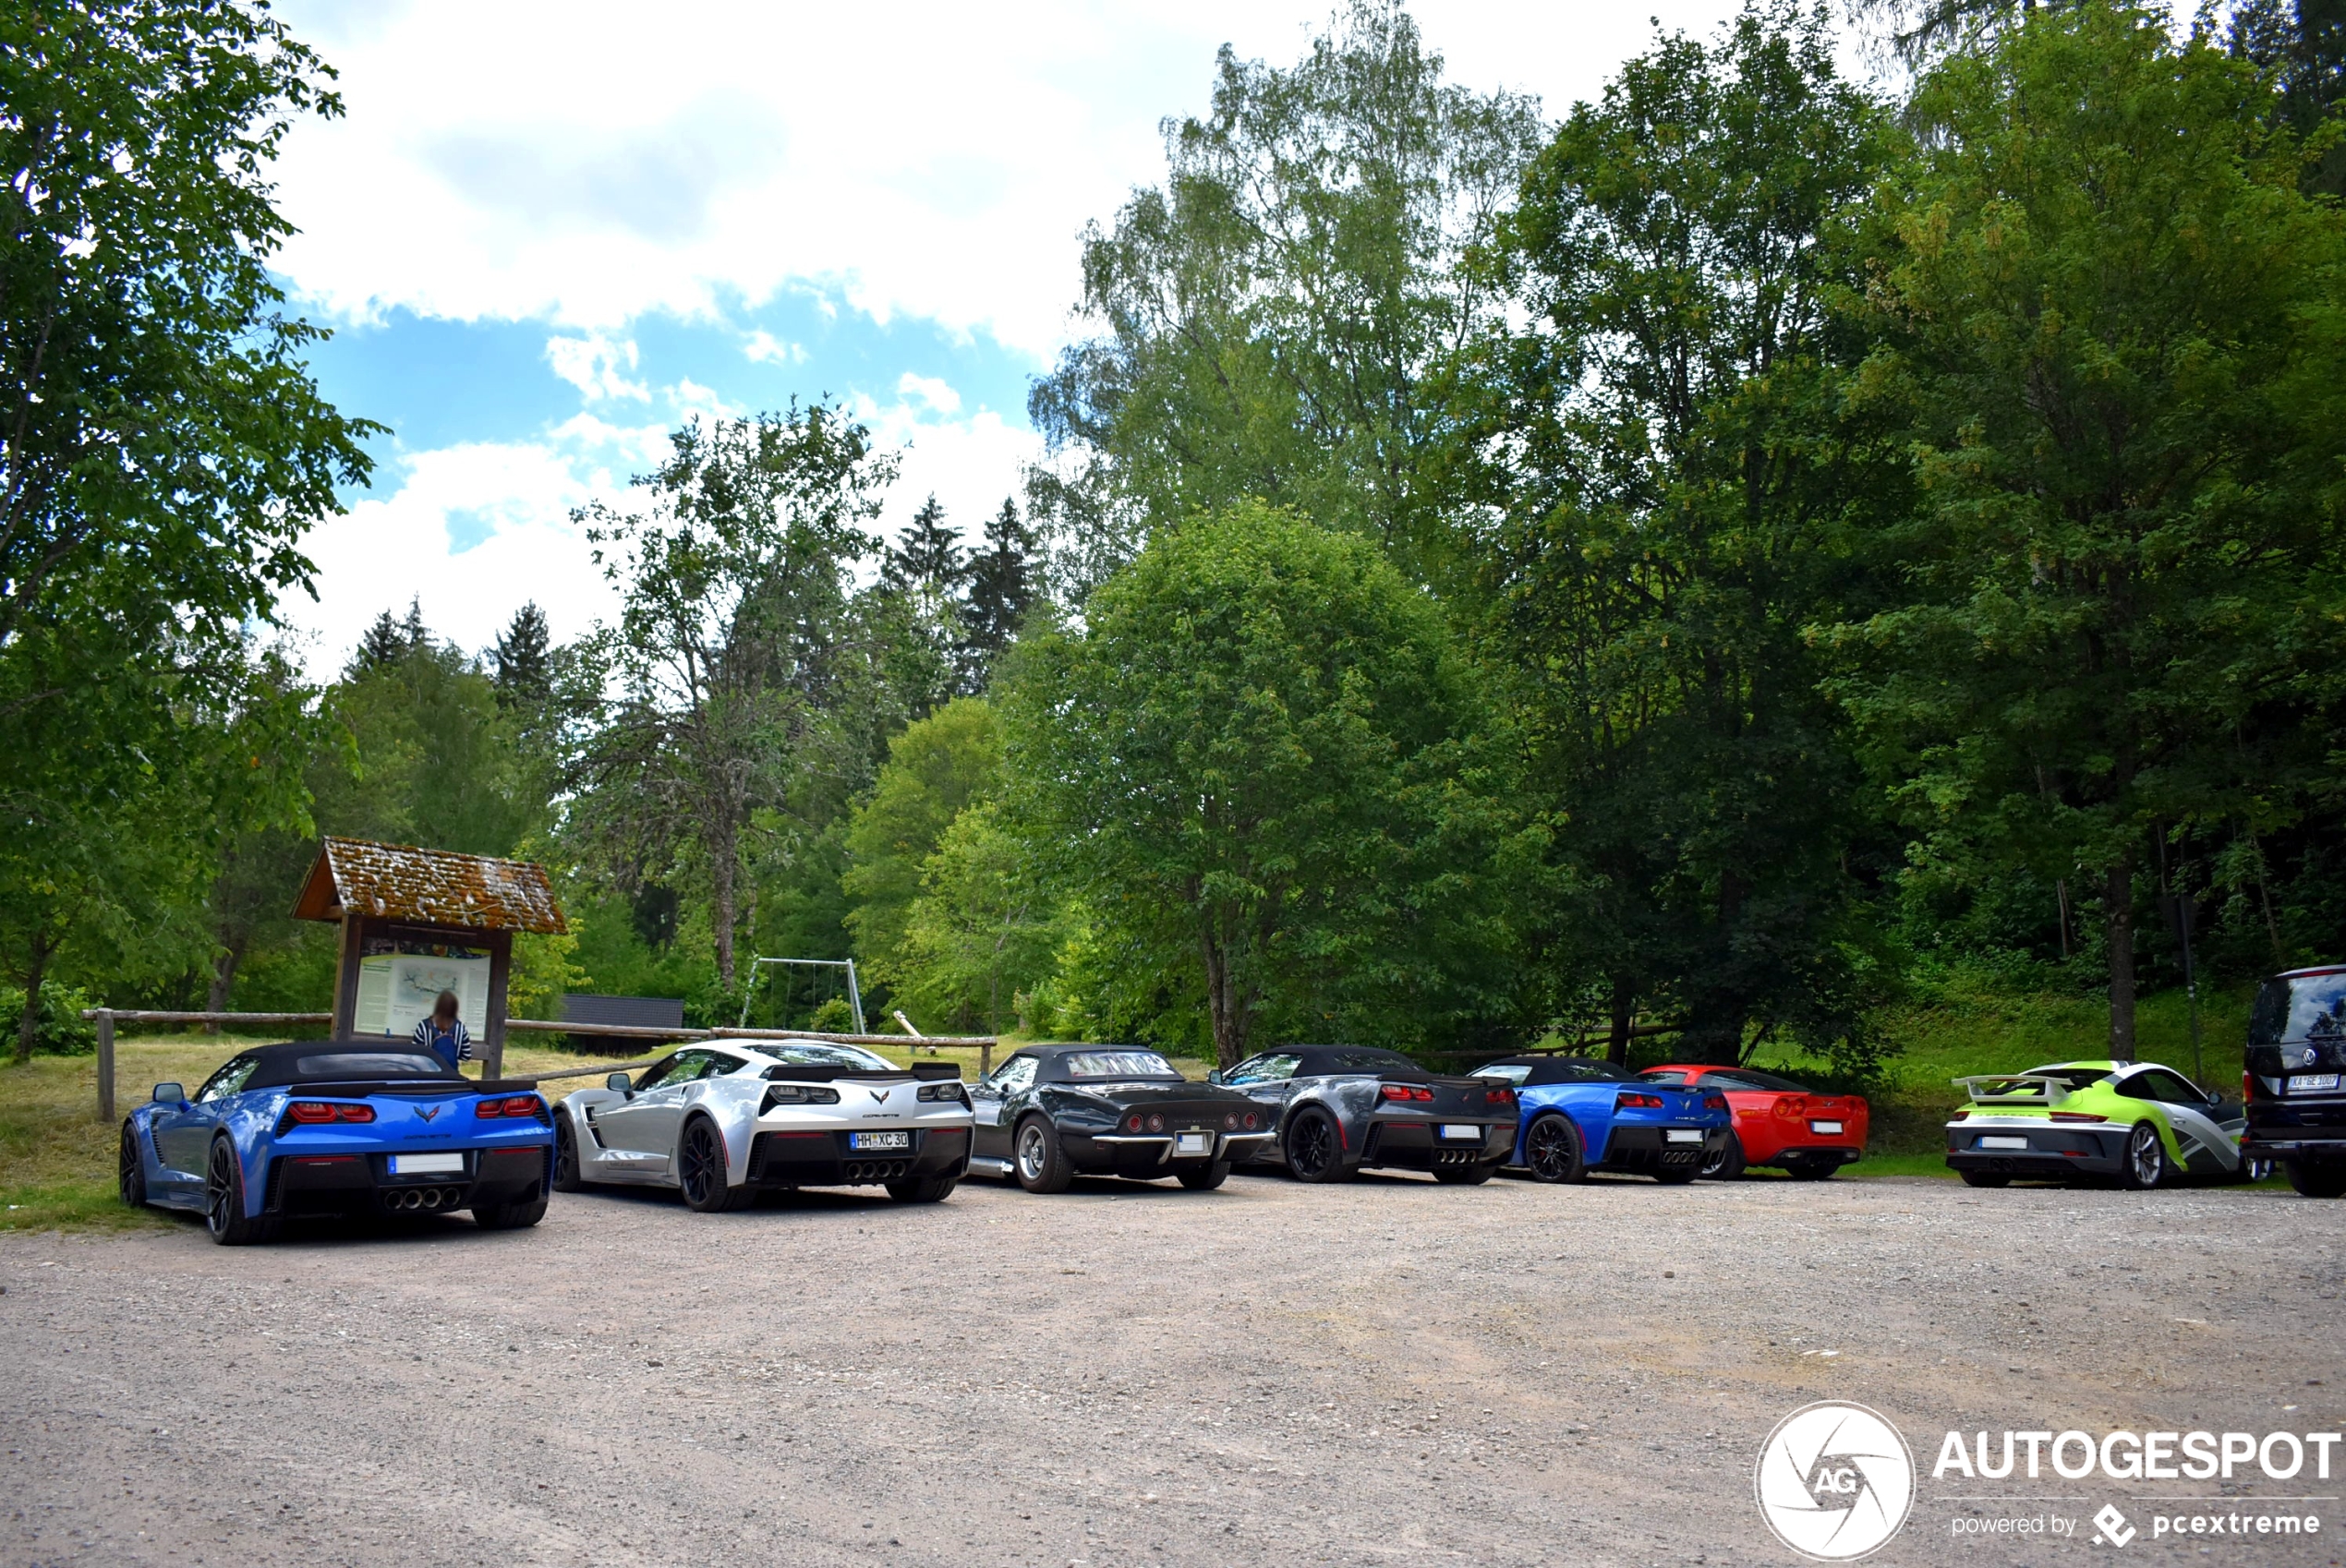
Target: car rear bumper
x=1415, y=1146
x=1643, y=1148
x=2296, y=1129
x=346, y=1184
x=1147, y=1155
x=2053, y=1152
x=826, y=1159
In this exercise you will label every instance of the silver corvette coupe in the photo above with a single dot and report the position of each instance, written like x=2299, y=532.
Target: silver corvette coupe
x=722, y=1122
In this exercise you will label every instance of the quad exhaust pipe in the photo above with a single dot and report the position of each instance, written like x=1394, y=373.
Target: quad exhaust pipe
x=421, y=1197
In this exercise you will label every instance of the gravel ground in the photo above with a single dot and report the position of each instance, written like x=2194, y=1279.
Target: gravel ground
x=1389, y=1371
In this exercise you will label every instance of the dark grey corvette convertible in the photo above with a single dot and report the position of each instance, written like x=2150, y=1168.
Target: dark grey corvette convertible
x=1340, y=1109
x=1052, y=1112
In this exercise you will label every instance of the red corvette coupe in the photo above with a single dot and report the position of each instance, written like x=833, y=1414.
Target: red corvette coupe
x=1777, y=1122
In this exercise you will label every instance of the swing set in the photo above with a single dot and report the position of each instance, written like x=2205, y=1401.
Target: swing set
x=758, y=966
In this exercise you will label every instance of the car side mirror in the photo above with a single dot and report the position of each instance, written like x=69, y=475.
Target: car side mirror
x=619, y=1083
x=170, y=1093
x=1213, y=1077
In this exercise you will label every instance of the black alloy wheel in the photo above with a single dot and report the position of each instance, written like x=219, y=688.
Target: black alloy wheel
x=1313, y=1153
x=2318, y=1178
x=509, y=1216
x=1040, y=1163
x=1206, y=1179
x=224, y=1188
x=132, y=1169
x=566, y=1177
x=700, y=1171
x=2145, y=1165
x=1552, y=1150
x=923, y=1189
x=1726, y=1162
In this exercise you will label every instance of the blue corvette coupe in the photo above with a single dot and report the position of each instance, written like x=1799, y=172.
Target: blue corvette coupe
x=1581, y=1114
x=338, y=1127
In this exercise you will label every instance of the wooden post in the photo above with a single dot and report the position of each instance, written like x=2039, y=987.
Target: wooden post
x=105, y=1065
x=500, y=963
x=986, y=1058
x=345, y=1022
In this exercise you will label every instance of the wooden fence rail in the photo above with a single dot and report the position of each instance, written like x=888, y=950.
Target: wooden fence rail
x=106, y=1018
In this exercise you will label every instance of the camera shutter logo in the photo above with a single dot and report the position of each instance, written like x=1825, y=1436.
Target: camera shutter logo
x=1834, y=1482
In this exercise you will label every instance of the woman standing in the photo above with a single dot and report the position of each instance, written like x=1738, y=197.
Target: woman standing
x=444, y=1033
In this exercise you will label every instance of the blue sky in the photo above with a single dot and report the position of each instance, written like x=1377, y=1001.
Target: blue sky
x=545, y=235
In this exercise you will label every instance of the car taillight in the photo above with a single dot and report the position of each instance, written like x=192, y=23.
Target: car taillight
x=1250, y=1122
x=312, y=1111
x=1132, y=1122
x=511, y=1105
x=1499, y=1097
x=1156, y=1123
x=1959, y=1116
x=1637, y=1102
x=1229, y=1121
x=1791, y=1107
x=2248, y=1086
x=1714, y=1102
x=1401, y=1092
x=2077, y=1116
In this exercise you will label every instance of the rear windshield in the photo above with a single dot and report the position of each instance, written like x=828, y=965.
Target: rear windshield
x=816, y=1056
x=1745, y=1078
x=1514, y=1072
x=2311, y=1007
x=1118, y=1064
x=370, y=1063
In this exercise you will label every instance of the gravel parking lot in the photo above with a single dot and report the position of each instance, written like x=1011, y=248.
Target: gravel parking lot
x=1389, y=1371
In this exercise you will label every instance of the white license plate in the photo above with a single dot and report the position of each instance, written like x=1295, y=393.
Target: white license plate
x=1991, y=1142
x=1824, y=1127
x=879, y=1140
x=2312, y=1083
x=1461, y=1129
x=1193, y=1143
x=1682, y=1135
x=425, y=1164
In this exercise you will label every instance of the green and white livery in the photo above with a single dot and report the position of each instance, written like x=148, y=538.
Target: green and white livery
x=2136, y=1122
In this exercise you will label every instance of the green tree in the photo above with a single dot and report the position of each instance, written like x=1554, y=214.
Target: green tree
x=1002, y=589
x=1673, y=490
x=985, y=925
x=1256, y=761
x=1270, y=319
x=2110, y=328
x=937, y=767
x=732, y=645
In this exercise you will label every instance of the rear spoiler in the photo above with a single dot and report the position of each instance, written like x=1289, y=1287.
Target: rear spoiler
x=2016, y=1089
x=358, y=1088
x=831, y=1072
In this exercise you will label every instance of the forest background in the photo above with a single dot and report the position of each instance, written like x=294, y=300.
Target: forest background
x=1719, y=571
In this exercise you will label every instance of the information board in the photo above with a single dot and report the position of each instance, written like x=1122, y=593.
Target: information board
x=399, y=978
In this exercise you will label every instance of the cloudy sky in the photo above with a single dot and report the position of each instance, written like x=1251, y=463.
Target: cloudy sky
x=546, y=234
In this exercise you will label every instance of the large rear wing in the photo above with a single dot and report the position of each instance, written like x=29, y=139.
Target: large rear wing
x=2016, y=1089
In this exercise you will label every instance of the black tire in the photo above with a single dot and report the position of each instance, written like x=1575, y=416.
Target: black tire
x=1553, y=1151
x=923, y=1189
x=1675, y=1176
x=509, y=1216
x=1811, y=1170
x=1464, y=1176
x=224, y=1217
x=132, y=1169
x=2318, y=1178
x=1037, y=1158
x=1985, y=1178
x=1205, y=1179
x=2143, y=1164
x=566, y=1177
x=700, y=1171
x=1727, y=1165
x=1314, y=1150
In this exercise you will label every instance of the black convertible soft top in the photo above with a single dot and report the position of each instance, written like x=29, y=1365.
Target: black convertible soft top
x=356, y=1066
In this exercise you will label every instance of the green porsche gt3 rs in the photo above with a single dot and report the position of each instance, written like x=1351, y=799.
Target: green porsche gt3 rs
x=2137, y=1122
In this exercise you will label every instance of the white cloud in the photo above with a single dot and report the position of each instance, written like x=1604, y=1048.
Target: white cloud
x=594, y=161
x=931, y=393
x=764, y=349
x=592, y=364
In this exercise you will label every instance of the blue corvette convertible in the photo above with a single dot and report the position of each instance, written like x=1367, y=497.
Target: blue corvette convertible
x=338, y=1127
x=1581, y=1114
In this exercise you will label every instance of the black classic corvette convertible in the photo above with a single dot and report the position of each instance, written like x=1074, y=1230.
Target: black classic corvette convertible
x=1052, y=1112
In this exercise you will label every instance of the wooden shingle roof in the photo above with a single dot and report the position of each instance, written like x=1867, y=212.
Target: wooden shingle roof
x=432, y=887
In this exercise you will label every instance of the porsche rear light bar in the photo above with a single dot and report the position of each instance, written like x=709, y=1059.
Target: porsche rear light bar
x=528, y=1105
x=1637, y=1102
x=2077, y=1116
x=319, y=1113
x=1406, y=1092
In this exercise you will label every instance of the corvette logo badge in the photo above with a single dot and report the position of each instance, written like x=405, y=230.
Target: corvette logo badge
x=881, y=1094
x=428, y=1113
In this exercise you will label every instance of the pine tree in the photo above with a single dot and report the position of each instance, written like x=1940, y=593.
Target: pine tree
x=523, y=659
x=1001, y=589
x=388, y=641
x=928, y=555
